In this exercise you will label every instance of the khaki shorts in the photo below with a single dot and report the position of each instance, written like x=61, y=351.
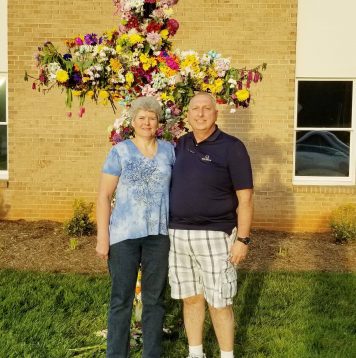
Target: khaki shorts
x=199, y=264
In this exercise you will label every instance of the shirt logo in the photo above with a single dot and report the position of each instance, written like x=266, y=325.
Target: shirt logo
x=206, y=158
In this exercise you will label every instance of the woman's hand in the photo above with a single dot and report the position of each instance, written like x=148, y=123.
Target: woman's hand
x=102, y=248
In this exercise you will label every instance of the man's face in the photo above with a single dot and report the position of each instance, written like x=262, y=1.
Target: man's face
x=202, y=113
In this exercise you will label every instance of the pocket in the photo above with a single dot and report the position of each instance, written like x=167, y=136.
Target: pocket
x=228, y=282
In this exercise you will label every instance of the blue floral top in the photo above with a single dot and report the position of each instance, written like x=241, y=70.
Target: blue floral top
x=142, y=194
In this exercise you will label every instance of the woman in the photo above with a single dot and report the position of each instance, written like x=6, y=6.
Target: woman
x=135, y=233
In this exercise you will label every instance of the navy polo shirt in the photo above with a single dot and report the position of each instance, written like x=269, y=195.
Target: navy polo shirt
x=205, y=177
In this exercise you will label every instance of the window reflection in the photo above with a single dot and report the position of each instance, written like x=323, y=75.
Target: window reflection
x=324, y=104
x=322, y=153
x=2, y=100
x=3, y=147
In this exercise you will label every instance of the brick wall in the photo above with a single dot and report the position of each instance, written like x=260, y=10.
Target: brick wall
x=54, y=159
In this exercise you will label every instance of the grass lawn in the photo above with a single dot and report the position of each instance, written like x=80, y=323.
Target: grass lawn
x=278, y=315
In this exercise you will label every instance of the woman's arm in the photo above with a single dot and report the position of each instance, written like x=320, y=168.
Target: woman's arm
x=107, y=186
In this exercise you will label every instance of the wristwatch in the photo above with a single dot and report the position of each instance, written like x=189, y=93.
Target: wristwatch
x=244, y=240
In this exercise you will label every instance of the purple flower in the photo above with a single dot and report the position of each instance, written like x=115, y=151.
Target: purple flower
x=76, y=77
x=67, y=56
x=90, y=39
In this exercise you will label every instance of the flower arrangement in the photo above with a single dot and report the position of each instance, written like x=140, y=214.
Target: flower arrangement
x=136, y=59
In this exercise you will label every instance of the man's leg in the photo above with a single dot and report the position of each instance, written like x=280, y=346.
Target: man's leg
x=223, y=322
x=194, y=315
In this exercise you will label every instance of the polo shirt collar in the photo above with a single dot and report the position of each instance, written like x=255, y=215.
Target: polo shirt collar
x=213, y=136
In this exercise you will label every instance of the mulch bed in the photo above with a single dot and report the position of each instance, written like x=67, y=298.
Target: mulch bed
x=43, y=246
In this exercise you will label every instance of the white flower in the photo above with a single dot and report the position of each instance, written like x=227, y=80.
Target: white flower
x=232, y=110
x=52, y=69
x=153, y=38
x=102, y=333
x=232, y=82
x=147, y=90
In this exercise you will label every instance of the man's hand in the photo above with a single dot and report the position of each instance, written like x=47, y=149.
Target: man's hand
x=238, y=252
x=102, y=249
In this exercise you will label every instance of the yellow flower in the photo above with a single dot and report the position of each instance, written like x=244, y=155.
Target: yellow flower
x=242, y=95
x=147, y=62
x=192, y=62
x=165, y=97
x=103, y=94
x=143, y=58
x=123, y=39
x=118, y=49
x=115, y=64
x=168, y=12
x=76, y=93
x=90, y=94
x=62, y=76
x=167, y=71
x=129, y=78
x=218, y=84
x=212, y=73
x=164, y=34
x=135, y=38
x=110, y=33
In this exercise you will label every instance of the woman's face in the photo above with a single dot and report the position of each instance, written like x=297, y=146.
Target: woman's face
x=145, y=124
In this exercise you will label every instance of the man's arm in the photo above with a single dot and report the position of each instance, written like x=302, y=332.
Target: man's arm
x=244, y=220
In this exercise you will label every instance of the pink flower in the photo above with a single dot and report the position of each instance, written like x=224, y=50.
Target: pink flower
x=171, y=63
x=78, y=41
x=172, y=26
x=69, y=114
x=153, y=38
x=81, y=112
x=159, y=131
x=147, y=90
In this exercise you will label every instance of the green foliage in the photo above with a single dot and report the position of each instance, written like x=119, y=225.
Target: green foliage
x=81, y=224
x=278, y=315
x=343, y=223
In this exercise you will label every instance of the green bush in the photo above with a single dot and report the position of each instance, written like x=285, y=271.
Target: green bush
x=81, y=224
x=343, y=223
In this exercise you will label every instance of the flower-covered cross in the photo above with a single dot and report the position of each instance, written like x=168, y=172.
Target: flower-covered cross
x=137, y=59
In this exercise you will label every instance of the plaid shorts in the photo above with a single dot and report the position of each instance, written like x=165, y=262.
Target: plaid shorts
x=199, y=264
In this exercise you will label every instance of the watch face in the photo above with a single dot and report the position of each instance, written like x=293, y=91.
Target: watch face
x=245, y=240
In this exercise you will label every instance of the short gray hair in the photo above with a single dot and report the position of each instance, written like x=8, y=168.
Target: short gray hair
x=206, y=94
x=149, y=104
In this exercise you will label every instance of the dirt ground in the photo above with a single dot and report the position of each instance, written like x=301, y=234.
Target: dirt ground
x=43, y=246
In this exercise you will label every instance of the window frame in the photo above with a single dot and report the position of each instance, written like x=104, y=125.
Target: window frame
x=325, y=180
x=4, y=174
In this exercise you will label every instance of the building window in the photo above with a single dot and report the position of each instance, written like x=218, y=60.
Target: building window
x=3, y=126
x=324, y=132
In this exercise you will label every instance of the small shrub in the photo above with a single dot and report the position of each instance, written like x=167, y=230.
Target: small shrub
x=81, y=224
x=343, y=223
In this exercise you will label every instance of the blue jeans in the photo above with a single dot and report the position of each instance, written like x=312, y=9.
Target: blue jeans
x=124, y=260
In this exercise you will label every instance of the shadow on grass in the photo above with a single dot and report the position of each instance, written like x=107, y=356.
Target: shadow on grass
x=250, y=288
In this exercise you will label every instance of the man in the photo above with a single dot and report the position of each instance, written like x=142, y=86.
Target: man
x=211, y=194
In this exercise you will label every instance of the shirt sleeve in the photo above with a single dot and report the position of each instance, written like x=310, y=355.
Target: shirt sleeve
x=112, y=163
x=240, y=166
